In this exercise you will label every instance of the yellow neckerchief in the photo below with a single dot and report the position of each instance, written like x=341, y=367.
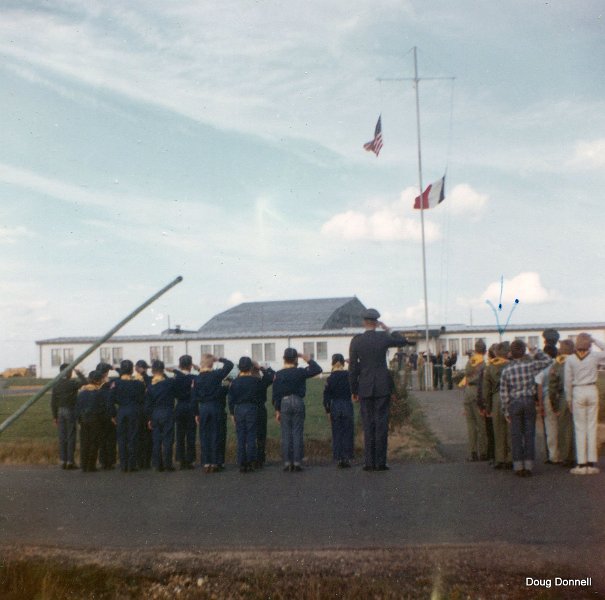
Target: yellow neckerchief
x=582, y=354
x=138, y=377
x=289, y=366
x=499, y=360
x=245, y=374
x=157, y=378
x=561, y=358
x=338, y=367
x=476, y=359
x=206, y=369
x=90, y=387
x=126, y=377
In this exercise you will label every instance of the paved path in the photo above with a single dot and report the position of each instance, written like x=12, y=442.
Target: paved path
x=438, y=503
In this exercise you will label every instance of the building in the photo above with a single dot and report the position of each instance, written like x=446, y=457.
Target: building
x=263, y=330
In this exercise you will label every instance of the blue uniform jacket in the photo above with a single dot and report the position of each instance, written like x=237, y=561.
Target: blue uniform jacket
x=127, y=393
x=160, y=395
x=91, y=404
x=337, y=388
x=207, y=385
x=266, y=381
x=183, y=383
x=293, y=381
x=245, y=389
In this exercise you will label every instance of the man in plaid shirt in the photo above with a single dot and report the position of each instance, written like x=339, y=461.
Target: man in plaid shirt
x=517, y=393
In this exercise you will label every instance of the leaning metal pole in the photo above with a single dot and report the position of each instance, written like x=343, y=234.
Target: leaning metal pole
x=90, y=350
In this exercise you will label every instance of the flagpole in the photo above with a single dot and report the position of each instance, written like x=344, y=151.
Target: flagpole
x=421, y=187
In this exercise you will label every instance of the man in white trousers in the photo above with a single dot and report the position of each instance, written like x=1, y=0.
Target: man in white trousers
x=583, y=398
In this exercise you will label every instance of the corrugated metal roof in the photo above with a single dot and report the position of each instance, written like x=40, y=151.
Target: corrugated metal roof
x=293, y=316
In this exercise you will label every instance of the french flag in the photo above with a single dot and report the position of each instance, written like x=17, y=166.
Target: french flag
x=433, y=195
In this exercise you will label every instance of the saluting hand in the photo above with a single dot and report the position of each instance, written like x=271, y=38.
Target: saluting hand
x=149, y=425
x=278, y=416
x=354, y=397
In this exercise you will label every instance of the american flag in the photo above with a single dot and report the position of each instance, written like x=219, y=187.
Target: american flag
x=376, y=144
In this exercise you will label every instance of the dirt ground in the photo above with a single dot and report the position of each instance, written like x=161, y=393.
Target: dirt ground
x=491, y=571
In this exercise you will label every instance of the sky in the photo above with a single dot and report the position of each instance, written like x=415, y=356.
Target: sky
x=223, y=141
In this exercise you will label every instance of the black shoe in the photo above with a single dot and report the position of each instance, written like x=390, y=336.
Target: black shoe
x=341, y=464
x=170, y=469
x=499, y=466
x=71, y=467
x=473, y=457
x=508, y=466
x=383, y=468
x=250, y=467
x=288, y=468
x=243, y=469
x=64, y=466
x=369, y=468
x=527, y=473
x=297, y=468
x=156, y=469
x=520, y=473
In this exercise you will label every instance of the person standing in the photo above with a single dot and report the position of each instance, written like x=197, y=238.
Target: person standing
x=266, y=376
x=475, y=421
x=549, y=418
x=184, y=415
x=108, y=438
x=372, y=385
x=63, y=408
x=289, y=390
x=517, y=392
x=243, y=407
x=559, y=405
x=91, y=412
x=159, y=412
x=493, y=407
x=583, y=399
x=207, y=397
x=338, y=405
x=128, y=394
x=145, y=443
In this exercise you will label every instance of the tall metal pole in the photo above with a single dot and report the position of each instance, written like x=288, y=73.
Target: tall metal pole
x=88, y=352
x=426, y=302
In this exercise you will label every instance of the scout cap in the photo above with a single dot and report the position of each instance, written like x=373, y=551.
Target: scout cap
x=371, y=315
x=157, y=365
x=141, y=364
x=245, y=363
x=290, y=354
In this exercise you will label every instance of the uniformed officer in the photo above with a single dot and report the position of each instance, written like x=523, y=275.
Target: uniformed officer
x=206, y=398
x=184, y=415
x=108, y=439
x=159, y=409
x=128, y=394
x=338, y=404
x=372, y=384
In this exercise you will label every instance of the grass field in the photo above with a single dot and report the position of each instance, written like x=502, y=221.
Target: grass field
x=32, y=438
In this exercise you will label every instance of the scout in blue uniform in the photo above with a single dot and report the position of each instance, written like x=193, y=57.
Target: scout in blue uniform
x=266, y=376
x=243, y=406
x=206, y=395
x=91, y=410
x=338, y=404
x=145, y=436
x=289, y=389
x=159, y=409
x=222, y=424
x=128, y=394
x=108, y=440
x=184, y=415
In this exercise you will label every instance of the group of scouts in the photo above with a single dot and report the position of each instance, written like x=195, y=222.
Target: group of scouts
x=144, y=413
x=504, y=396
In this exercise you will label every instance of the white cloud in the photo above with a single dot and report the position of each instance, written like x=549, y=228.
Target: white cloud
x=10, y=235
x=464, y=200
x=236, y=298
x=413, y=314
x=589, y=155
x=526, y=287
x=382, y=222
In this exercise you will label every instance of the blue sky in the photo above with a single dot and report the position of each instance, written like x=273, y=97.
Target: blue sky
x=223, y=142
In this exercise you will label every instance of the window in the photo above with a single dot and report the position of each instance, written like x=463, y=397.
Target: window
x=154, y=353
x=218, y=350
x=467, y=345
x=105, y=355
x=269, y=352
x=55, y=357
x=533, y=341
x=68, y=355
x=309, y=348
x=205, y=349
x=257, y=352
x=322, y=350
x=168, y=355
x=454, y=346
x=116, y=356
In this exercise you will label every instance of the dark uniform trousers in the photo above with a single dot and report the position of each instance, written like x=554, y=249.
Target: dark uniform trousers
x=129, y=423
x=341, y=418
x=184, y=420
x=107, y=444
x=221, y=443
x=90, y=436
x=162, y=421
x=145, y=444
x=245, y=427
x=375, y=418
x=211, y=413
